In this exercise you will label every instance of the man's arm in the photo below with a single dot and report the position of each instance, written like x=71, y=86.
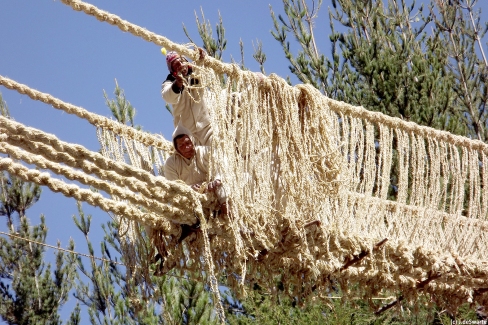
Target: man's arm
x=204, y=164
x=170, y=172
x=170, y=91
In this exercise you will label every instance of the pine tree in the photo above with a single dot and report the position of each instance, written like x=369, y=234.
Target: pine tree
x=120, y=107
x=187, y=301
x=30, y=292
x=112, y=297
x=390, y=56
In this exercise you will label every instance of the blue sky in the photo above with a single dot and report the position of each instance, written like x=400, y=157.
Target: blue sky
x=72, y=56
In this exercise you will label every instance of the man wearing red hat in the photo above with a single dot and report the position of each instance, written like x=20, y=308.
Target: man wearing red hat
x=187, y=96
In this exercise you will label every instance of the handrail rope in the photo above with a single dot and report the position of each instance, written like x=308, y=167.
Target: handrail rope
x=305, y=89
x=88, y=167
x=72, y=174
x=145, y=34
x=397, y=123
x=94, y=199
x=97, y=120
x=80, y=153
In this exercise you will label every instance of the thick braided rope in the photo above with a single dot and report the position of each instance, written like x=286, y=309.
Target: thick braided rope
x=138, y=31
x=394, y=266
x=26, y=137
x=92, y=118
x=88, y=167
x=339, y=107
x=394, y=122
x=458, y=280
x=169, y=212
x=174, y=192
x=94, y=199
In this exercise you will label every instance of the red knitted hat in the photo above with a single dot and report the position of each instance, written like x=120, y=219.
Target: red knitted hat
x=170, y=57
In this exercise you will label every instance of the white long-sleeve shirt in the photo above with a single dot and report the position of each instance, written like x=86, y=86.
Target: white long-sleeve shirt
x=192, y=171
x=189, y=108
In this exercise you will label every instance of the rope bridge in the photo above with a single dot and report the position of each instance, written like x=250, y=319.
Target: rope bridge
x=320, y=192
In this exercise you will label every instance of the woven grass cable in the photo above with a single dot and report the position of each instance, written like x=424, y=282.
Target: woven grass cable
x=80, y=157
x=131, y=183
x=92, y=198
x=72, y=174
x=94, y=119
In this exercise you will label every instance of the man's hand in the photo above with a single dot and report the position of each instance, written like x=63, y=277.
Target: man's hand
x=212, y=186
x=196, y=187
x=202, y=53
x=180, y=80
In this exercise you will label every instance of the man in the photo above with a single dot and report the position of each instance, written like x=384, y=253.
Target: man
x=190, y=164
x=187, y=96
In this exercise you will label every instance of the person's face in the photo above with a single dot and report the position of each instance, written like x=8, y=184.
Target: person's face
x=180, y=65
x=185, y=147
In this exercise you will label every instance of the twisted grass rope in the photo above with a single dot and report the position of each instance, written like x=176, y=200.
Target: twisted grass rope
x=94, y=199
x=132, y=183
x=72, y=174
x=230, y=69
x=399, y=124
x=179, y=194
x=94, y=119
